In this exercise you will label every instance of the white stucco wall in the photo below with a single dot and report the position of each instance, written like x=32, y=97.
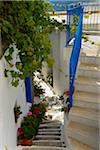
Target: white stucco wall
x=61, y=55
x=8, y=97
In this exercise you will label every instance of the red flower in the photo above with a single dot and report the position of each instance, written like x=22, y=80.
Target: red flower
x=23, y=140
x=20, y=131
x=37, y=110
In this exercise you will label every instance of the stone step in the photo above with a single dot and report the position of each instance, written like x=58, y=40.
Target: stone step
x=89, y=70
x=50, y=126
x=77, y=145
x=87, y=84
x=43, y=148
x=90, y=50
x=57, y=143
x=86, y=99
x=50, y=121
x=85, y=134
x=86, y=116
x=90, y=59
x=48, y=133
x=50, y=130
x=47, y=137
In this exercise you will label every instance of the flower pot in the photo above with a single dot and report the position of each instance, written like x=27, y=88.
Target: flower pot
x=26, y=142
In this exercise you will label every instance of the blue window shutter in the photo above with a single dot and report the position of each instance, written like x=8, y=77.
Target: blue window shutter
x=28, y=87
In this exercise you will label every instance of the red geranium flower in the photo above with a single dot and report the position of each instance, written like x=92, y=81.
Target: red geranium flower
x=37, y=110
x=24, y=140
x=20, y=131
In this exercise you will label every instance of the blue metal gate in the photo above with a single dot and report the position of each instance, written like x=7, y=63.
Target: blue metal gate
x=73, y=30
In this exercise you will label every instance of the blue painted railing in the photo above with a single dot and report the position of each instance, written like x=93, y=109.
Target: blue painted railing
x=75, y=50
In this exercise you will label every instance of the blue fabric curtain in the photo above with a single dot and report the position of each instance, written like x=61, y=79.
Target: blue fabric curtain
x=28, y=87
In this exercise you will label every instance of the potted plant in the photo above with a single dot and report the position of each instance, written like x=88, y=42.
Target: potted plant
x=66, y=106
x=28, y=130
x=30, y=124
x=39, y=110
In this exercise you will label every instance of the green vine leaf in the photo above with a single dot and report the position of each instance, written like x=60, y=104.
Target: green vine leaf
x=15, y=82
x=18, y=65
x=8, y=58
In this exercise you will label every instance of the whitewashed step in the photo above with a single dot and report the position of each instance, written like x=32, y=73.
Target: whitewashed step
x=89, y=70
x=57, y=143
x=87, y=84
x=53, y=122
x=90, y=49
x=47, y=137
x=86, y=99
x=50, y=121
x=50, y=130
x=85, y=134
x=48, y=133
x=44, y=148
x=89, y=59
x=77, y=145
x=86, y=116
x=50, y=125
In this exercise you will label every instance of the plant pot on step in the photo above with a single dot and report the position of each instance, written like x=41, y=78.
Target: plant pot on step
x=26, y=142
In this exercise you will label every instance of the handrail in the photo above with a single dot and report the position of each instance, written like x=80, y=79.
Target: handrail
x=75, y=51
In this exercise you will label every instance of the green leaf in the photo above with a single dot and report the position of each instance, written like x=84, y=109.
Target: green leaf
x=11, y=50
x=18, y=65
x=50, y=62
x=8, y=58
x=15, y=82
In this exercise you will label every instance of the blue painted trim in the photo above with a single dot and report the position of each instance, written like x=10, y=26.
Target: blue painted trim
x=28, y=88
x=75, y=55
x=61, y=5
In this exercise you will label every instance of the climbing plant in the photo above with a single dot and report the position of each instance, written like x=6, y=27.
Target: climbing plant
x=28, y=25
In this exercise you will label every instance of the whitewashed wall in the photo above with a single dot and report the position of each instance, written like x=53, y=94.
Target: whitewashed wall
x=61, y=55
x=8, y=97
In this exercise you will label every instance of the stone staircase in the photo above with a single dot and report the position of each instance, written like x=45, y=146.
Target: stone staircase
x=49, y=137
x=83, y=126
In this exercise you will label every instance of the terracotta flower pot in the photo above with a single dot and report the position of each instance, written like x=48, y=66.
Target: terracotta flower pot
x=26, y=142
